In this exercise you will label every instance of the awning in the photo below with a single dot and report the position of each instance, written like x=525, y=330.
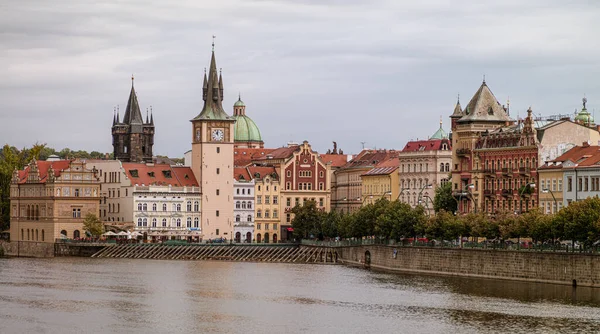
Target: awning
x=290, y=229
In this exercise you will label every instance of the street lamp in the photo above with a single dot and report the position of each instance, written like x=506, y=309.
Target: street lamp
x=528, y=185
x=547, y=190
x=426, y=204
x=467, y=189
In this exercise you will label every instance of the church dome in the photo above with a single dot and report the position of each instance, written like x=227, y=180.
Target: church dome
x=239, y=103
x=245, y=129
x=584, y=116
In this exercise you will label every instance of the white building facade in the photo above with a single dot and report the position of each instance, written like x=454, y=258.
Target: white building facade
x=243, y=212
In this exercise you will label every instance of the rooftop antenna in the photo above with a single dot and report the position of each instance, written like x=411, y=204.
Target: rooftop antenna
x=363, y=144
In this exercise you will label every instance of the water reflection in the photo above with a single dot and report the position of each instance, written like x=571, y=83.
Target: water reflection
x=113, y=295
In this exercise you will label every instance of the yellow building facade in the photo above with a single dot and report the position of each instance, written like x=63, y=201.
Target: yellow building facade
x=49, y=200
x=550, y=191
x=267, y=201
x=381, y=182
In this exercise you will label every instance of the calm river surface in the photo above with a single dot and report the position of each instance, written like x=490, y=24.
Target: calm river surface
x=82, y=295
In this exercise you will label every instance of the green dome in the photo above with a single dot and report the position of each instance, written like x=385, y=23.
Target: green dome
x=245, y=129
x=239, y=103
x=584, y=117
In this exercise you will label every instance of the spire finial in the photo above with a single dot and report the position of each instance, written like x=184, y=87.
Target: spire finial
x=441, y=121
x=220, y=71
x=239, y=96
x=584, y=100
x=484, y=79
x=132, y=77
x=458, y=98
x=213, y=42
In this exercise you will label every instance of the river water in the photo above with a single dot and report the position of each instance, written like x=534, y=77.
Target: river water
x=83, y=295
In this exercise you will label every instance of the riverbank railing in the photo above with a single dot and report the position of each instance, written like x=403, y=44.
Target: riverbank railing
x=486, y=245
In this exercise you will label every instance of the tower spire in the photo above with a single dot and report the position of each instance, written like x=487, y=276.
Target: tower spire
x=151, y=117
x=213, y=108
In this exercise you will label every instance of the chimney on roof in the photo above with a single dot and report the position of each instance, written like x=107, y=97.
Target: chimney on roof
x=586, y=144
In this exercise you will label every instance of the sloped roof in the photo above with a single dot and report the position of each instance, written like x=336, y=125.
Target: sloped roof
x=160, y=175
x=241, y=174
x=243, y=157
x=426, y=145
x=336, y=160
x=133, y=114
x=385, y=167
x=370, y=158
x=43, y=167
x=458, y=112
x=440, y=133
x=586, y=155
x=259, y=172
x=280, y=153
x=484, y=107
x=213, y=108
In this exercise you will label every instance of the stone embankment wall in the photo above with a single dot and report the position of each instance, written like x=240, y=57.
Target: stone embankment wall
x=28, y=248
x=546, y=267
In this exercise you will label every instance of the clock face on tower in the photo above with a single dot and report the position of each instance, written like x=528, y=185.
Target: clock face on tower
x=217, y=135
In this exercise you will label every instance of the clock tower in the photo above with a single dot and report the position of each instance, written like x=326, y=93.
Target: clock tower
x=212, y=158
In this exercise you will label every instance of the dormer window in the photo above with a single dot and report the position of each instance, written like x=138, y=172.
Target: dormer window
x=133, y=172
x=151, y=174
x=490, y=111
x=167, y=173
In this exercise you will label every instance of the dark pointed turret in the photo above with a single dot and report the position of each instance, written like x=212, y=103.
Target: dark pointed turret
x=133, y=138
x=220, y=85
x=133, y=115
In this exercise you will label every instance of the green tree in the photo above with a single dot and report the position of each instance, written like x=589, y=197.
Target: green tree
x=308, y=220
x=444, y=200
x=580, y=221
x=92, y=225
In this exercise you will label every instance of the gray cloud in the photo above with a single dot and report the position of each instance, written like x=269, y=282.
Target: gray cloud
x=378, y=71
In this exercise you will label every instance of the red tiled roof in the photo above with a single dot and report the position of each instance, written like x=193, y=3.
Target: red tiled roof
x=385, y=167
x=279, y=153
x=336, y=160
x=160, y=174
x=43, y=167
x=243, y=157
x=241, y=173
x=262, y=171
x=426, y=145
x=370, y=158
x=586, y=155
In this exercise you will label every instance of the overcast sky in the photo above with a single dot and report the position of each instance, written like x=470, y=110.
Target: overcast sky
x=380, y=72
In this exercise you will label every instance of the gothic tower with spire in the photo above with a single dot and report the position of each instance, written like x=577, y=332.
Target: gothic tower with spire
x=132, y=137
x=212, y=157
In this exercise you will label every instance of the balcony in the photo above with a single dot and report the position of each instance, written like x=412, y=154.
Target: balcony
x=507, y=172
x=525, y=171
x=491, y=173
x=461, y=152
x=489, y=193
x=507, y=192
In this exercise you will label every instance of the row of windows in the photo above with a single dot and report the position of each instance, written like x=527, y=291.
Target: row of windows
x=552, y=184
x=414, y=168
x=506, y=183
x=267, y=214
x=304, y=173
x=267, y=188
x=376, y=188
x=509, y=205
x=244, y=191
x=259, y=200
x=143, y=222
x=238, y=218
x=414, y=183
x=584, y=183
x=31, y=236
x=175, y=207
x=288, y=201
x=112, y=192
x=244, y=204
x=515, y=163
x=259, y=226
x=551, y=206
x=111, y=207
x=33, y=212
x=304, y=186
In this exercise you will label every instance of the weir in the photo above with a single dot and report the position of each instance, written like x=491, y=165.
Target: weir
x=233, y=252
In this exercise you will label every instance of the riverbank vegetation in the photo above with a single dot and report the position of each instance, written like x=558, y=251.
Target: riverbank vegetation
x=578, y=222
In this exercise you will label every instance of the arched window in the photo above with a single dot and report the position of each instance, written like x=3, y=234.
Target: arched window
x=145, y=222
x=153, y=222
x=164, y=222
x=139, y=206
x=237, y=218
x=196, y=222
x=258, y=213
x=237, y=205
x=447, y=167
x=267, y=214
x=139, y=222
x=441, y=167
x=145, y=207
x=178, y=207
x=43, y=235
x=275, y=213
x=164, y=206
x=249, y=218
x=178, y=222
x=189, y=206
x=196, y=206
x=189, y=221
x=153, y=206
x=36, y=235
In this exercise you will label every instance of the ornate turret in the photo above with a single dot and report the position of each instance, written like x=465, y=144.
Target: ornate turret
x=440, y=133
x=247, y=134
x=133, y=138
x=213, y=108
x=457, y=114
x=220, y=85
x=204, y=86
x=584, y=116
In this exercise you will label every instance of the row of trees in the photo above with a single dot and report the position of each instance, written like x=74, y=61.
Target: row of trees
x=580, y=221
